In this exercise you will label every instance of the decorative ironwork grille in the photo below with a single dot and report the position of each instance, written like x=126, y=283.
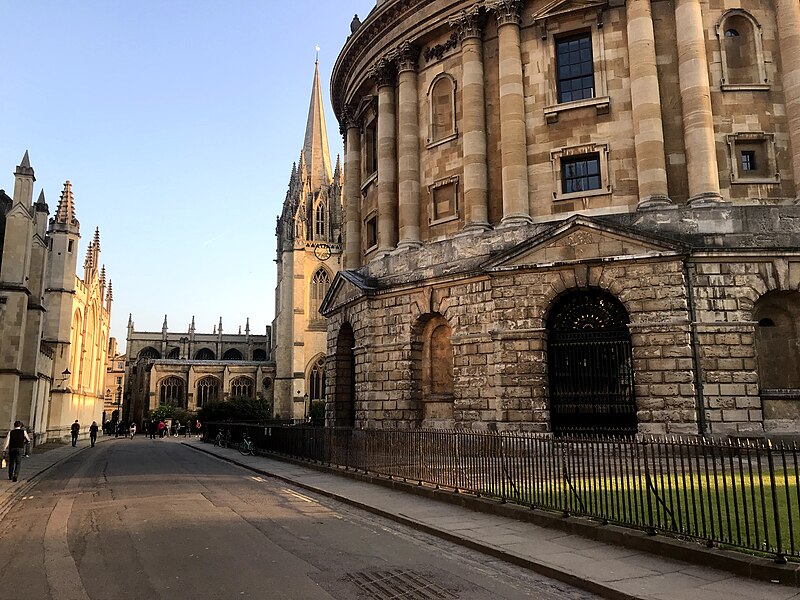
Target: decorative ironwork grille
x=590, y=366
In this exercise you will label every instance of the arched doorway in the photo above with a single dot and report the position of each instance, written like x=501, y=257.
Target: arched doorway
x=345, y=398
x=590, y=367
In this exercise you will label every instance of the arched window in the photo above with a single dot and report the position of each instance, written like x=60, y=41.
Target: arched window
x=590, y=365
x=204, y=354
x=319, y=287
x=207, y=391
x=149, y=353
x=442, y=100
x=320, y=221
x=175, y=353
x=172, y=392
x=75, y=350
x=316, y=380
x=778, y=315
x=242, y=387
x=741, y=52
x=232, y=354
x=259, y=355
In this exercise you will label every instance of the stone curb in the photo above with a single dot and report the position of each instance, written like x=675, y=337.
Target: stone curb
x=753, y=567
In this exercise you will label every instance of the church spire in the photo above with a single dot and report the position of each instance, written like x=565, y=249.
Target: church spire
x=65, y=213
x=315, y=148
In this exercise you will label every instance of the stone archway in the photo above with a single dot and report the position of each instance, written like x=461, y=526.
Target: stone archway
x=432, y=371
x=590, y=365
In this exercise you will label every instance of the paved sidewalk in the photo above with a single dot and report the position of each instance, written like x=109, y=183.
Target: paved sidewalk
x=608, y=570
x=42, y=458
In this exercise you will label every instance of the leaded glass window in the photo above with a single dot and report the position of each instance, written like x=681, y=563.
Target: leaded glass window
x=242, y=387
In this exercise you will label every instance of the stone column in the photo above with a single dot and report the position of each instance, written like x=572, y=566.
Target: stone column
x=788, y=15
x=514, y=150
x=651, y=168
x=352, y=192
x=476, y=178
x=408, y=145
x=698, y=122
x=384, y=75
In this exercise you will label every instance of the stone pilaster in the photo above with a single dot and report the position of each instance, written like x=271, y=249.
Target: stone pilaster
x=408, y=145
x=514, y=153
x=469, y=26
x=698, y=121
x=648, y=129
x=384, y=73
x=788, y=16
x=352, y=192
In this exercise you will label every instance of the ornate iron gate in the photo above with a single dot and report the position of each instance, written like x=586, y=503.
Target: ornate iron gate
x=590, y=366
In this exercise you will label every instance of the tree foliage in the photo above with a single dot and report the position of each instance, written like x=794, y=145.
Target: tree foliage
x=243, y=410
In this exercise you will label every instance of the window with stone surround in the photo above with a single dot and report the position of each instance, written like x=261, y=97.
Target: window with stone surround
x=171, y=391
x=443, y=206
x=442, y=110
x=433, y=368
x=320, y=221
x=259, y=355
x=370, y=147
x=204, y=354
x=575, y=67
x=320, y=283
x=777, y=315
x=232, y=354
x=207, y=391
x=371, y=232
x=741, y=52
x=580, y=171
x=242, y=387
x=752, y=158
x=316, y=380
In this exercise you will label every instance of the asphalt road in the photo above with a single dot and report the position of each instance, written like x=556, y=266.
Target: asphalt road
x=153, y=519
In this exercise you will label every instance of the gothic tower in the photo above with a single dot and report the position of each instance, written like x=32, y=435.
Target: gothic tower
x=309, y=235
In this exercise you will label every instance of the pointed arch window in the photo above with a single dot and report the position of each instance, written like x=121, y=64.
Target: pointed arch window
x=207, y=391
x=204, y=354
x=232, y=354
x=320, y=284
x=172, y=392
x=242, y=387
x=149, y=353
x=320, y=221
x=316, y=380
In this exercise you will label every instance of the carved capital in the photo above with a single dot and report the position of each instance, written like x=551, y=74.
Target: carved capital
x=468, y=23
x=347, y=120
x=507, y=12
x=406, y=56
x=384, y=72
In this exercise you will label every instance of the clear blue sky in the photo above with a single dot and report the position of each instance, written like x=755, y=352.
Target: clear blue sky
x=177, y=122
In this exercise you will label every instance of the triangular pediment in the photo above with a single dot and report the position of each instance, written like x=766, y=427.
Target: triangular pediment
x=346, y=287
x=582, y=239
x=561, y=7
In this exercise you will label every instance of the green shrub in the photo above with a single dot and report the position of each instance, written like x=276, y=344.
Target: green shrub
x=241, y=410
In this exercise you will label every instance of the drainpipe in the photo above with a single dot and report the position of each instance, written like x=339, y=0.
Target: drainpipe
x=700, y=404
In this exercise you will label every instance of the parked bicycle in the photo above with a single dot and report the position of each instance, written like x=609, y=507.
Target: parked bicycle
x=223, y=438
x=247, y=447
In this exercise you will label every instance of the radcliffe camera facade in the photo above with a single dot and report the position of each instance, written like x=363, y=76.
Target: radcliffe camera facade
x=569, y=217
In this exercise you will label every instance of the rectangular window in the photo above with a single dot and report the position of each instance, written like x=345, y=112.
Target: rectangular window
x=372, y=232
x=575, y=68
x=119, y=380
x=69, y=246
x=580, y=174
x=371, y=148
x=749, y=160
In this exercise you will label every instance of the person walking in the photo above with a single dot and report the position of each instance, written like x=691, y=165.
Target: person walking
x=197, y=427
x=133, y=430
x=93, y=433
x=161, y=427
x=75, y=430
x=15, y=447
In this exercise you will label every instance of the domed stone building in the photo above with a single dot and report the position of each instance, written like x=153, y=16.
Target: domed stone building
x=569, y=216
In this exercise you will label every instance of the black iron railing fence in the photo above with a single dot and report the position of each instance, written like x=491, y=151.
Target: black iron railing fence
x=739, y=493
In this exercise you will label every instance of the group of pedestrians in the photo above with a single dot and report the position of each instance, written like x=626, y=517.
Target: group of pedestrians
x=163, y=429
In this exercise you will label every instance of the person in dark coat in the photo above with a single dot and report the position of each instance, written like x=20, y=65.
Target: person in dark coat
x=74, y=430
x=93, y=433
x=15, y=447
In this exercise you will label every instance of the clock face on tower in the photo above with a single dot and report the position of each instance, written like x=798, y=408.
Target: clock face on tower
x=322, y=252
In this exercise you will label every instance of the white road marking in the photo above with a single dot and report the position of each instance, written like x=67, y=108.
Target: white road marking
x=62, y=574
x=299, y=496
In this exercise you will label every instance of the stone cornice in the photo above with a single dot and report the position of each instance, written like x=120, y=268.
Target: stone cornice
x=507, y=12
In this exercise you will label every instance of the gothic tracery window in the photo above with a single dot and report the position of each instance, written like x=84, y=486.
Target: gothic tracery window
x=319, y=287
x=242, y=387
x=320, y=224
x=204, y=354
x=232, y=354
x=172, y=391
x=316, y=380
x=207, y=391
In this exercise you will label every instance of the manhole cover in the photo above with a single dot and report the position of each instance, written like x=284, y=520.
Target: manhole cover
x=397, y=584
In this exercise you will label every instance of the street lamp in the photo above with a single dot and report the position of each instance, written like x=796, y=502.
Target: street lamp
x=64, y=376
